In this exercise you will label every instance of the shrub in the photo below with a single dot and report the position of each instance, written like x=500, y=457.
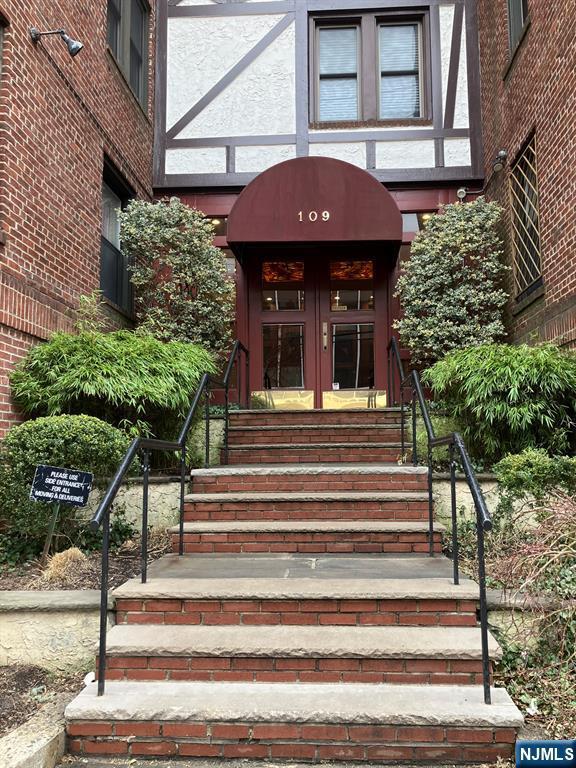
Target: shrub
x=182, y=288
x=77, y=442
x=507, y=398
x=440, y=456
x=449, y=289
x=534, y=473
x=127, y=379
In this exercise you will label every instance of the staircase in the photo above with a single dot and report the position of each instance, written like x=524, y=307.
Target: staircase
x=305, y=620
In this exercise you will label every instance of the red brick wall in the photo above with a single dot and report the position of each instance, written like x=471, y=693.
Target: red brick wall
x=536, y=92
x=59, y=116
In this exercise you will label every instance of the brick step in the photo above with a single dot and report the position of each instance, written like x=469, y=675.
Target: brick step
x=311, y=537
x=294, y=601
x=322, y=505
x=295, y=453
x=315, y=433
x=310, y=477
x=361, y=416
x=399, y=655
x=409, y=723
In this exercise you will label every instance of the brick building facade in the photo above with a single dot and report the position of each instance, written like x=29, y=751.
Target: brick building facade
x=528, y=76
x=65, y=124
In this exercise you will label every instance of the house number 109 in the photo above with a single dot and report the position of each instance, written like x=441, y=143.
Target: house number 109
x=313, y=215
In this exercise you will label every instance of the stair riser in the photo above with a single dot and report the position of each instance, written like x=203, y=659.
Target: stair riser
x=461, y=613
x=303, y=455
x=291, y=742
x=303, y=435
x=295, y=670
x=280, y=418
x=329, y=510
x=311, y=482
x=310, y=543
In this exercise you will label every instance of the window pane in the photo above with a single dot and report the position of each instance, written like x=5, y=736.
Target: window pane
x=110, y=221
x=338, y=51
x=398, y=48
x=137, y=46
x=283, y=356
x=525, y=219
x=282, y=285
x=353, y=356
x=399, y=96
x=113, y=21
x=517, y=16
x=338, y=99
x=351, y=285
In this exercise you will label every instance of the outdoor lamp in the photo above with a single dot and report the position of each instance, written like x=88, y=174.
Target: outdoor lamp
x=74, y=46
x=500, y=161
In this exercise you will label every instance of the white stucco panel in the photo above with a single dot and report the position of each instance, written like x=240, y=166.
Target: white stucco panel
x=405, y=154
x=457, y=152
x=461, y=111
x=256, y=159
x=446, y=24
x=261, y=100
x=354, y=153
x=196, y=160
x=202, y=50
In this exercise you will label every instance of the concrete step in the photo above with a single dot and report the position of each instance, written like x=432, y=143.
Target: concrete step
x=304, y=505
x=310, y=536
x=310, y=477
x=432, y=655
x=359, y=416
x=287, y=453
x=418, y=723
x=297, y=590
x=315, y=433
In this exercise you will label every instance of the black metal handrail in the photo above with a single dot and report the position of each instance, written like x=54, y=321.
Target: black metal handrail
x=143, y=446
x=456, y=446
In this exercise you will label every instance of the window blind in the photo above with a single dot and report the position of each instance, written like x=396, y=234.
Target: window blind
x=338, y=69
x=399, y=51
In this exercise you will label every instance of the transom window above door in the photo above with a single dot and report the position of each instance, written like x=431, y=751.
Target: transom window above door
x=369, y=69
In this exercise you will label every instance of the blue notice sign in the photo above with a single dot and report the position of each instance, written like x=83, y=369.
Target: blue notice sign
x=547, y=754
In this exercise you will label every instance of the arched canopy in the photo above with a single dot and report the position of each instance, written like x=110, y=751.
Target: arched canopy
x=314, y=200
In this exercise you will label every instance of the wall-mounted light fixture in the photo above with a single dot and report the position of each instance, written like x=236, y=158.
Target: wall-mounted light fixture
x=497, y=166
x=74, y=46
x=500, y=161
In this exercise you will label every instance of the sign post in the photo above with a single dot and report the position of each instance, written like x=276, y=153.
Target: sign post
x=59, y=486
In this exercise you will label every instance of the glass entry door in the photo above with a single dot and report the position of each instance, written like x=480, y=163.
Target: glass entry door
x=315, y=326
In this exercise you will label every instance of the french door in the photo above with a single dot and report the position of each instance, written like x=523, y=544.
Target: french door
x=318, y=331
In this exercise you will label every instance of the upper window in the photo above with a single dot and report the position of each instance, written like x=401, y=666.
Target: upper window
x=368, y=69
x=517, y=18
x=128, y=41
x=114, y=272
x=525, y=221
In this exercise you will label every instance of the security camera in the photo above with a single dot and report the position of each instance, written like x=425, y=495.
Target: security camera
x=461, y=193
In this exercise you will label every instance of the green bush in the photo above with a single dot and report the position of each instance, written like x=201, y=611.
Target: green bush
x=76, y=442
x=440, y=456
x=507, y=398
x=534, y=473
x=126, y=378
x=450, y=288
x=182, y=288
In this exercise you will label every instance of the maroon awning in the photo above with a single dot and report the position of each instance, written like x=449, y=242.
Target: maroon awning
x=314, y=200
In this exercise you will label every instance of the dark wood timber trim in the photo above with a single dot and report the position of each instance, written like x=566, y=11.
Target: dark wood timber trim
x=301, y=79
x=160, y=96
x=381, y=5
x=231, y=9
x=230, y=159
x=474, y=106
x=233, y=141
x=454, y=66
x=436, y=69
x=370, y=155
x=231, y=75
x=399, y=135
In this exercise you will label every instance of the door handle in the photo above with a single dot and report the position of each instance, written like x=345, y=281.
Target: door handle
x=324, y=336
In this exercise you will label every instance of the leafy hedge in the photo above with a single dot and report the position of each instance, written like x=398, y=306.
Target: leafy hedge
x=76, y=442
x=125, y=378
x=507, y=398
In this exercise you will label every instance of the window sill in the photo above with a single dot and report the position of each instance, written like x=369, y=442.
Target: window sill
x=532, y=297
x=514, y=53
x=126, y=84
x=346, y=125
